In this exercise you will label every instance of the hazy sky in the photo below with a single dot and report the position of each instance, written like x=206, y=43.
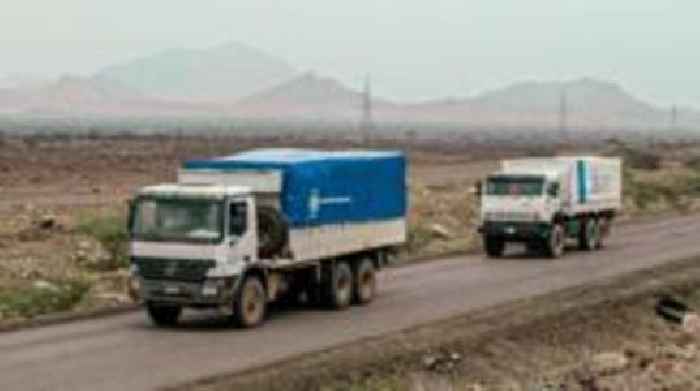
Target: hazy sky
x=414, y=49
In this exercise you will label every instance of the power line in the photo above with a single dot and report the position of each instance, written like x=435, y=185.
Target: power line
x=367, y=125
x=563, y=114
x=674, y=118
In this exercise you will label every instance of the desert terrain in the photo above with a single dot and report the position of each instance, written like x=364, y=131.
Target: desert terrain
x=62, y=234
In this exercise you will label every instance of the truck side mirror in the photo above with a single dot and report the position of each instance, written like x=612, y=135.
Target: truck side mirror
x=238, y=218
x=478, y=189
x=130, y=212
x=553, y=190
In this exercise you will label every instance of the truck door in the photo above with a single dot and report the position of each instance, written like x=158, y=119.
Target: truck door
x=553, y=199
x=241, y=231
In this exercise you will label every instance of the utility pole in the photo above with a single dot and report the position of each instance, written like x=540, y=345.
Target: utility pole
x=563, y=115
x=674, y=118
x=367, y=125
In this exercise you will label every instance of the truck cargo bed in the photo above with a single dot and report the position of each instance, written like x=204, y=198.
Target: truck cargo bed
x=591, y=184
x=334, y=202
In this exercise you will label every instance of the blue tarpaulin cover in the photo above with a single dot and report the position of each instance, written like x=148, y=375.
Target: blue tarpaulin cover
x=321, y=187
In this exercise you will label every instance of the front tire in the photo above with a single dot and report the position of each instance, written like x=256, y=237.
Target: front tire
x=533, y=247
x=163, y=316
x=250, y=306
x=494, y=247
x=556, y=241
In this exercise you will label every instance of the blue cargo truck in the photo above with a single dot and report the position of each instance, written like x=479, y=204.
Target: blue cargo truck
x=235, y=233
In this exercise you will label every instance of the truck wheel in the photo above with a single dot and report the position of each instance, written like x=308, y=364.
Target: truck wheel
x=250, y=305
x=556, y=242
x=365, y=281
x=339, y=287
x=533, y=247
x=589, y=236
x=494, y=247
x=163, y=316
x=605, y=229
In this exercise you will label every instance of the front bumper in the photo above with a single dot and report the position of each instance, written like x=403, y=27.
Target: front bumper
x=208, y=293
x=515, y=231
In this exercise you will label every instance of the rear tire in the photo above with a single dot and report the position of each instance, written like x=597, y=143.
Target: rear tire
x=365, y=281
x=494, y=247
x=556, y=241
x=339, y=286
x=163, y=316
x=605, y=227
x=250, y=306
x=589, y=236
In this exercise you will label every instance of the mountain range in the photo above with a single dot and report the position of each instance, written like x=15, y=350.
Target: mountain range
x=239, y=81
x=228, y=71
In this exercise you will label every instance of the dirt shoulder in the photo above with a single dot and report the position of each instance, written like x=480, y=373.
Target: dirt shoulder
x=560, y=339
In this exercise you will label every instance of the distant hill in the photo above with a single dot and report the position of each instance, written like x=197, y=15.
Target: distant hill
x=77, y=90
x=308, y=88
x=228, y=71
x=589, y=103
x=18, y=80
x=236, y=80
x=72, y=95
x=583, y=94
x=306, y=96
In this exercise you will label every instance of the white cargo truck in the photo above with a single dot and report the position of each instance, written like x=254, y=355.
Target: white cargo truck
x=543, y=202
x=237, y=232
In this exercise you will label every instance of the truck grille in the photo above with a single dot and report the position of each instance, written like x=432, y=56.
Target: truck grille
x=192, y=270
x=509, y=216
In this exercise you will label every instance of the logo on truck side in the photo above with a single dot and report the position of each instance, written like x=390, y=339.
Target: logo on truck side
x=316, y=201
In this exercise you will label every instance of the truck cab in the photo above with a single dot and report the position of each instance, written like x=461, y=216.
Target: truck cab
x=523, y=198
x=190, y=244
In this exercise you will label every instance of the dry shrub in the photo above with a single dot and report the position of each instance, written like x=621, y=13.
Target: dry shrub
x=452, y=207
x=110, y=231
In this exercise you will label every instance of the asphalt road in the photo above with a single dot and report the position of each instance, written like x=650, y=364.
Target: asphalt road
x=125, y=352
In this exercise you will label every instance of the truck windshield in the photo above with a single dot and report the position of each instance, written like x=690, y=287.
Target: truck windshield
x=177, y=220
x=515, y=186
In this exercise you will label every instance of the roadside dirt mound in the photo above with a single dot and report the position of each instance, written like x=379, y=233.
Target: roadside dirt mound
x=603, y=337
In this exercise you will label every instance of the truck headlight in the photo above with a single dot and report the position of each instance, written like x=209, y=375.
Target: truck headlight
x=133, y=270
x=134, y=286
x=216, y=286
x=211, y=287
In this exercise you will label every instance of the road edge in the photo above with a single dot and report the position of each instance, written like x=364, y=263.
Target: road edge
x=67, y=317
x=72, y=316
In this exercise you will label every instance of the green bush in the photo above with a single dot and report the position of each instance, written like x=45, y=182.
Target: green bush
x=111, y=232
x=640, y=159
x=637, y=157
x=34, y=301
x=419, y=236
x=646, y=193
x=691, y=185
x=694, y=163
